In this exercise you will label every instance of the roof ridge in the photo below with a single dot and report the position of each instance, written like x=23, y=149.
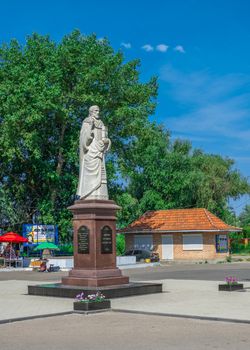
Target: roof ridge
x=176, y=209
x=209, y=218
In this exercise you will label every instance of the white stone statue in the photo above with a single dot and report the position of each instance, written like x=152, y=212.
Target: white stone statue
x=94, y=143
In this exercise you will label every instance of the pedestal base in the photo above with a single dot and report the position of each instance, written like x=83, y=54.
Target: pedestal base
x=95, y=277
x=67, y=291
x=94, y=245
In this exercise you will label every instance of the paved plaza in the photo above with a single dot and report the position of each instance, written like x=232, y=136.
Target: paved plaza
x=180, y=297
x=186, y=311
x=122, y=331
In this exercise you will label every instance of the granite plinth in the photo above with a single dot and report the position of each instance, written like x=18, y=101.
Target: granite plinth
x=69, y=291
x=95, y=278
x=94, y=282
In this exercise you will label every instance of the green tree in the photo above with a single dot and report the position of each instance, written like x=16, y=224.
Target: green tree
x=244, y=216
x=165, y=174
x=45, y=92
x=244, y=221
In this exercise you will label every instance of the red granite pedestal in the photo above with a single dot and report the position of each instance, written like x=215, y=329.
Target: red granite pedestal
x=94, y=223
x=95, y=257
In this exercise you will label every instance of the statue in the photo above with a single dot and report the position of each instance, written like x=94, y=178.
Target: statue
x=94, y=143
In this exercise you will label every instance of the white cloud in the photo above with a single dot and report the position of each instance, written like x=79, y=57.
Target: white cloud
x=162, y=47
x=179, y=48
x=148, y=47
x=126, y=45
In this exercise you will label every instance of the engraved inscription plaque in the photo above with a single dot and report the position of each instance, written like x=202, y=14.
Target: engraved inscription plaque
x=106, y=240
x=83, y=240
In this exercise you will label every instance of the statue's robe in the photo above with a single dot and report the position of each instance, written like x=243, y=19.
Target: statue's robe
x=92, y=175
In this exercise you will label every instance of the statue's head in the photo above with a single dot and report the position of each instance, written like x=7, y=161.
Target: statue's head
x=94, y=112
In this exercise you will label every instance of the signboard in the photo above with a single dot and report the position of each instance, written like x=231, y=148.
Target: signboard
x=221, y=243
x=40, y=233
x=106, y=240
x=83, y=240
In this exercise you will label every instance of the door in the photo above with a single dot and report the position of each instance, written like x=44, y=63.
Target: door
x=167, y=247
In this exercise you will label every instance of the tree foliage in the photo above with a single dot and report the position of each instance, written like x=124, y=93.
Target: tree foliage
x=45, y=92
x=245, y=216
x=165, y=174
x=244, y=221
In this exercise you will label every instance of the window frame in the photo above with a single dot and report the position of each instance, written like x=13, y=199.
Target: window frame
x=195, y=246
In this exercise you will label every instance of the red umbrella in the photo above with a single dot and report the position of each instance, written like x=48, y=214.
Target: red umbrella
x=12, y=237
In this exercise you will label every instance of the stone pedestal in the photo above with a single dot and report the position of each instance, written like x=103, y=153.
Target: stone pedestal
x=94, y=223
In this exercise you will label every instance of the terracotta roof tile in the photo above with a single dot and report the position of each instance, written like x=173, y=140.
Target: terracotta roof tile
x=179, y=220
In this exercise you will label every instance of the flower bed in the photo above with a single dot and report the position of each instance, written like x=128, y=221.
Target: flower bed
x=91, y=302
x=231, y=285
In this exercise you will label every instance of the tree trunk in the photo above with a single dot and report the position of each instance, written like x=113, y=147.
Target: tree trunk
x=60, y=162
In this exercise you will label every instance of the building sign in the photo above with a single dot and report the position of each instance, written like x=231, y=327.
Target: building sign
x=221, y=243
x=83, y=240
x=106, y=240
x=40, y=233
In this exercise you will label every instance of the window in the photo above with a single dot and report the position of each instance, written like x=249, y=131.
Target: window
x=143, y=242
x=192, y=241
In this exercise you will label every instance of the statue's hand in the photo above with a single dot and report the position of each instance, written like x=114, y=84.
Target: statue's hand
x=107, y=143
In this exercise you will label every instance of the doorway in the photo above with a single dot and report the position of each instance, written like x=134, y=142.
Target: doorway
x=167, y=247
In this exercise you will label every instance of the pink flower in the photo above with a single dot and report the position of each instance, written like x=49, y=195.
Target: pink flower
x=231, y=280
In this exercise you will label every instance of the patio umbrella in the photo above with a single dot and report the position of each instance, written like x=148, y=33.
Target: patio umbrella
x=46, y=247
x=12, y=237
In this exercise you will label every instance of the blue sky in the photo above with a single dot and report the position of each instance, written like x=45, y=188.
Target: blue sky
x=198, y=49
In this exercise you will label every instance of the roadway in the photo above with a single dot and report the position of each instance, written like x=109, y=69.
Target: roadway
x=205, y=272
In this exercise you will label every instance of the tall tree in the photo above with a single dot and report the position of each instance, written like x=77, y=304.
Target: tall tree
x=244, y=216
x=45, y=92
x=165, y=174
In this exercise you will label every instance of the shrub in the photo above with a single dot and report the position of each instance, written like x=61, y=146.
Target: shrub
x=66, y=249
x=120, y=244
x=239, y=248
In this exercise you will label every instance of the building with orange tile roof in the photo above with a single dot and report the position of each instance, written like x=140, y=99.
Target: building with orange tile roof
x=180, y=234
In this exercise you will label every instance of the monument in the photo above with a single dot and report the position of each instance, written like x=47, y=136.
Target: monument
x=94, y=225
x=94, y=215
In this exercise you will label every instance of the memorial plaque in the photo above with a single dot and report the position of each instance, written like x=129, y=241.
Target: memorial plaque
x=83, y=240
x=106, y=240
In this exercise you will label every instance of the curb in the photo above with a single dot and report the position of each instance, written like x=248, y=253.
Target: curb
x=195, y=317
x=10, y=320
x=26, y=318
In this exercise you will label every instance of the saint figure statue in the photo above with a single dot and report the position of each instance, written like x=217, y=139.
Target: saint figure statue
x=94, y=143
